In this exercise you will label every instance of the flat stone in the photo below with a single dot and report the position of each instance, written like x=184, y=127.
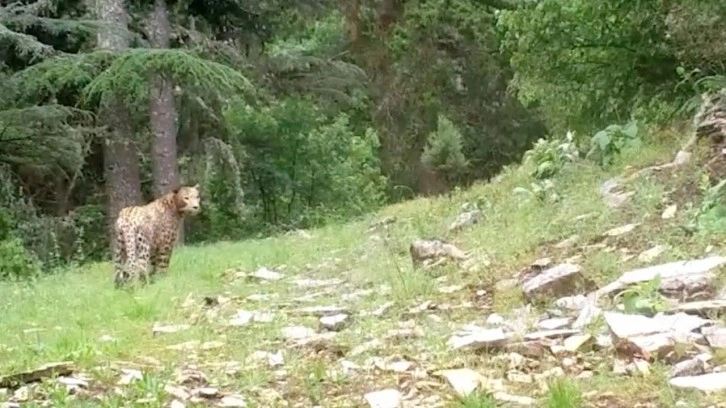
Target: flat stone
x=690, y=367
x=560, y=280
x=702, y=307
x=626, y=325
x=266, y=275
x=464, y=381
x=715, y=336
x=669, y=212
x=553, y=324
x=481, y=338
x=551, y=334
x=617, y=231
x=708, y=382
x=335, y=322
x=388, y=398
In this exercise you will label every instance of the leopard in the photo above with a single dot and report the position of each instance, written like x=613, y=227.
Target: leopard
x=145, y=235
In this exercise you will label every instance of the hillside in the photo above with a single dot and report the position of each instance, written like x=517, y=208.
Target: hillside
x=222, y=328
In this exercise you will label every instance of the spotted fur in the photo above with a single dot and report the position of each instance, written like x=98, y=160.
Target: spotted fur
x=145, y=235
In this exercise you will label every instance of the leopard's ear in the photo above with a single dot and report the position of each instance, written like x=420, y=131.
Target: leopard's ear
x=196, y=186
x=176, y=190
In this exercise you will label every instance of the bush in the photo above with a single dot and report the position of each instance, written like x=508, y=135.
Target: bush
x=16, y=262
x=444, y=151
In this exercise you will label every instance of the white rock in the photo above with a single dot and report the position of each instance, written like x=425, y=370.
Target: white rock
x=557, y=280
x=388, y=398
x=479, y=339
x=171, y=328
x=464, y=381
x=626, y=325
x=617, y=231
x=669, y=212
x=176, y=404
x=708, y=382
x=553, y=324
x=242, y=318
x=335, y=322
x=267, y=275
x=495, y=320
x=297, y=332
x=650, y=254
x=237, y=401
x=577, y=302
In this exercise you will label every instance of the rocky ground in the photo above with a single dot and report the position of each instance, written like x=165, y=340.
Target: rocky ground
x=585, y=311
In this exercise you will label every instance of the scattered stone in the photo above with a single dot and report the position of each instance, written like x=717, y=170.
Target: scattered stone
x=242, y=318
x=495, y=319
x=627, y=326
x=560, y=280
x=551, y=334
x=388, y=398
x=690, y=367
x=617, y=231
x=464, y=381
x=465, y=219
x=577, y=342
x=186, y=346
x=577, y=302
x=170, y=328
x=107, y=339
x=587, y=315
x=266, y=275
x=514, y=399
x=233, y=401
x=297, y=332
x=541, y=263
x=64, y=368
x=129, y=375
x=319, y=311
x=425, y=252
x=380, y=311
x=708, y=382
x=568, y=243
x=553, y=324
x=316, y=283
x=207, y=392
x=612, y=197
x=479, y=338
x=650, y=254
x=177, y=392
x=451, y=289
x=702, y=307
x=715, y=336
x=335, y=322
x=669, y=212
x=72, y=382
x=666, y=271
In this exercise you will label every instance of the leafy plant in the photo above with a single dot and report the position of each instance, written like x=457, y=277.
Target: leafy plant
x=613, y=140
x=710, y=215
x=551, y=156
x=541, y=190
x=444, y=150
x=643, y=298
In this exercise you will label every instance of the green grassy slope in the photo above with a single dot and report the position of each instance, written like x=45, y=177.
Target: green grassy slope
x=79, y=316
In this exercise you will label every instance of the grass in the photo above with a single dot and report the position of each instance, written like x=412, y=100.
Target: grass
x=79, y=316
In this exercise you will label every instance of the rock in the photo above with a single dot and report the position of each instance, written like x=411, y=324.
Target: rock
x=701, y=307
x=553, y=324
x=209, y=345
x=666, y=271
x=689, y=287
x=388, y=398
x=465, y=219
x=587, y=315
x=541, y=263
x=577, y=302
x=669, y=212
x=423, y=251
x=316, y=283
x=72, y=382
x=650, y=254
x=297, y=332
x=560, y=280
x=64, y=368
x=715, y=336
x=514, y=399
x=451, y=289
x=129, y=375
x=495, y=320
x=479, y=338
x=464, y=381
x=568, y=243
x=265, y=274
x=186, y=346
x=380, y=311
x=624, y=229
x=319, y=311
x=170, y=328
x=708, y=382
x=577, y=342
x=176, y=404
x=612, y=197
x=177, y=392
x=107, y=339
x=625, y=325
x=335, y=322
x=551, y=334
x=242, y=318
x=237, y=401
x=690, y=367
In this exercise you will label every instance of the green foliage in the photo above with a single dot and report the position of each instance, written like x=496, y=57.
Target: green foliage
x=443, y=152
x=643, y=298
x=550, y=156
x=542, y=190
x=303, y=168
x=129, y=75
x=563, y=393
x=613, y=140
x=15, y=261
x=710, y=216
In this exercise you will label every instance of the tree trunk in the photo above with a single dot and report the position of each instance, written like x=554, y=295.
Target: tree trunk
x=120, y=157
x=165, y=168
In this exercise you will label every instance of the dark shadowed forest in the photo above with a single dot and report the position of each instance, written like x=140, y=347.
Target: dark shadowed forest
x=294, y=114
